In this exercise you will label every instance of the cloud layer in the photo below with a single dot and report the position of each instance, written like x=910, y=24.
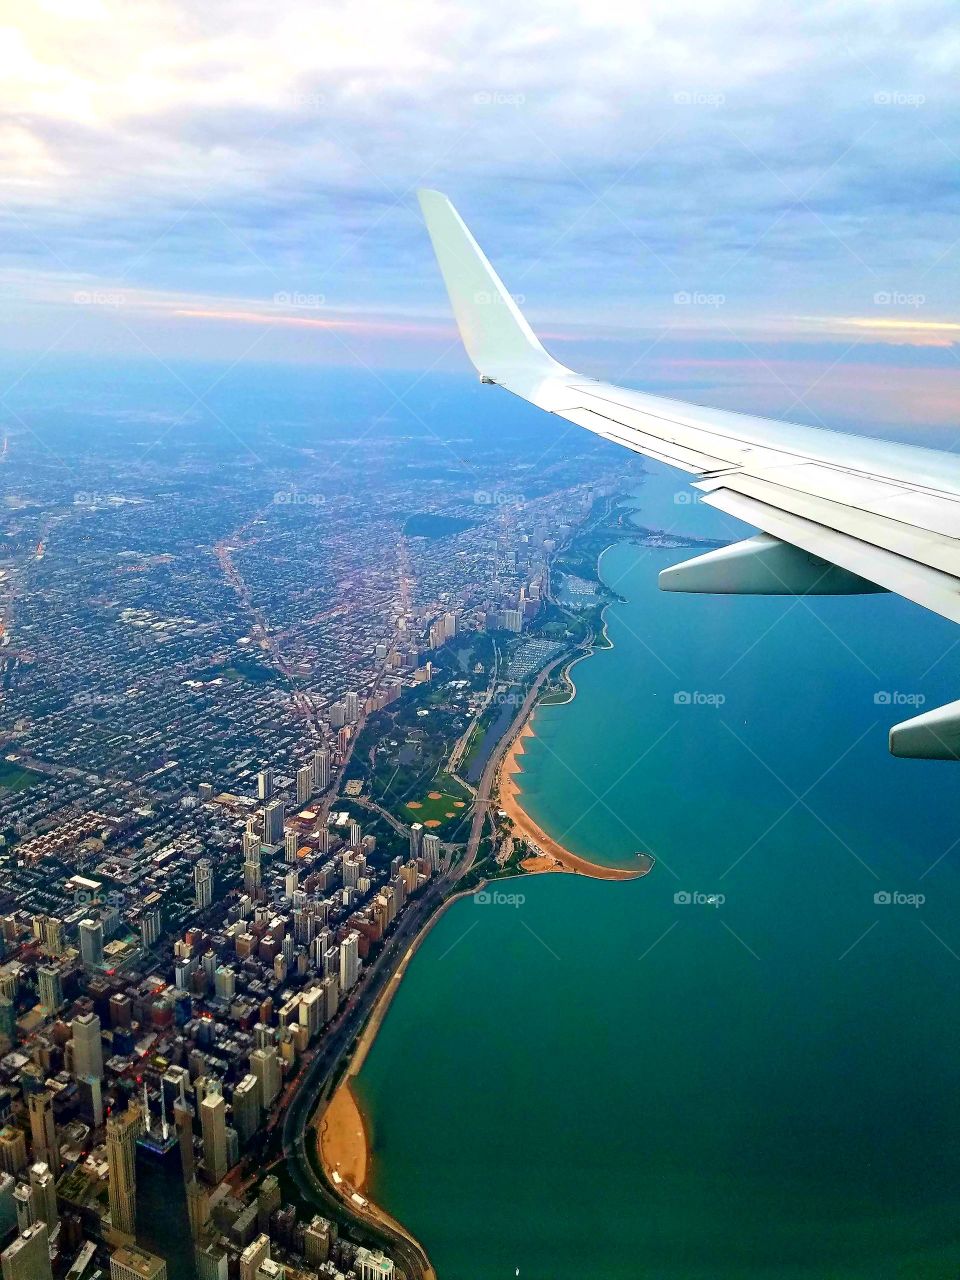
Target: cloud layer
x=778, y=170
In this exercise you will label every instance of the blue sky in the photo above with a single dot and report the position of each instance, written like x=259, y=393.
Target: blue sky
x=740, y=195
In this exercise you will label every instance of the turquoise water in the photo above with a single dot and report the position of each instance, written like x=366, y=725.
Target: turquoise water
x=607, y=1081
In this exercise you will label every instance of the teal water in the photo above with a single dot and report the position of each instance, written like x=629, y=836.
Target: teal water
x=605, y=1081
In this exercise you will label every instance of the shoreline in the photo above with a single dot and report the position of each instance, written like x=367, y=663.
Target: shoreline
x=341, y=1129
x=343, y=1140
x=551, y=856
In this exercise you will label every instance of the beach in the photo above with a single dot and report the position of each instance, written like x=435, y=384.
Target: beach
x=343, y=1140
x=551, y=856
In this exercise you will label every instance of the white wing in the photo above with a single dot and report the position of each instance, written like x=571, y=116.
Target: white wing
x=840, y=514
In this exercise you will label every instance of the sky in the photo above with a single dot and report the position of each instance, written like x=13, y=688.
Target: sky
x=750, y=195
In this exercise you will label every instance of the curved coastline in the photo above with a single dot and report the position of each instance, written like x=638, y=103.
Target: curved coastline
x=342, y=1131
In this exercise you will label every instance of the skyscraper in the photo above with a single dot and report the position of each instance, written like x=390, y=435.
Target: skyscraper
x=122, y=1133
x=87, y=1047
x=13, y=1150
x=264, y=784
x=291, y=844
x=43, y=1131
x=45, y=1194
x=246, y=1108
x=133, y=1263
x=430, y=850
x=349, y=960
x=416, y=836
x=51, y=988
x=265, y=1065
x=28, y=1258
x=351, y=707
x=203, y=883
x=213, y=1125
x=321, y=768
x=183, y=1119
x=304, y=783
x=273, y=822
x=91, y=943
x=150, y=927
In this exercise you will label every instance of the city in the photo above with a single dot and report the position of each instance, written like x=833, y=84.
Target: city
x=243, y=772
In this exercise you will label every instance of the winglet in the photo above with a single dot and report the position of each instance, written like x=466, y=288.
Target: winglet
x=498, y=340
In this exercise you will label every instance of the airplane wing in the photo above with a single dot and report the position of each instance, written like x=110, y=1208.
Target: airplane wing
x=839, y=514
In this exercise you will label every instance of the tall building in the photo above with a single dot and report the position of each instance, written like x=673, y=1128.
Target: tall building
x=122, y=1133
x=246, y=1108
x=203, y=883
x=255, y=1253
x=430, y=850
x=43, y=1131
x=183, y=1119
x=28, y=1258
x=273, y=822
x=264, y=784
x=87, y=1047
x=13, y=1150
x=198, y=1208
x=349, y=960
x=44, y=1187
x=321, y=768
x=416, y=836
x=351, y=707
x=150, y=927
x=52, y=936
x=304, y=783
x=291, y=844
x=371, y=1264
x=25, y=1204
x=132, y=1263
x=8, y=1020
x=265, y=1065
x=91, y=943
x=212, y=1262
x=316, y=1241
x=50, y=987
x=213, y=1126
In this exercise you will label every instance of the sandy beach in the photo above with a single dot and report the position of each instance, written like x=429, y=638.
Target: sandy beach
x=343, y=1139
x=551, y=856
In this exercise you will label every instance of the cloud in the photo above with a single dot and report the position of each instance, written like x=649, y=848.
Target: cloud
x=797, y=160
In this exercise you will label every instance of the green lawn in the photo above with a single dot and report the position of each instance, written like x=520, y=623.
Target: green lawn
x=13, y=777
x=442, y=803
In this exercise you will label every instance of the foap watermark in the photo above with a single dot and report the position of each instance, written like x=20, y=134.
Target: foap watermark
x=694, y=898
x=698, y=98
x=492, y=298
x=892, y=298
x=698, y=698
x=898, y=98
x=302, y=301
x=297, y=498
x=87, y=499
x=99, y=298
x=507, y=699
x=696, y=298
x=496, y=898
x=309, y=100
x=497, y=98
x=97, y=700
x=894, y=898
x=497, y=498
x=897, y=698
x=687, y=497
x=89, y=898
